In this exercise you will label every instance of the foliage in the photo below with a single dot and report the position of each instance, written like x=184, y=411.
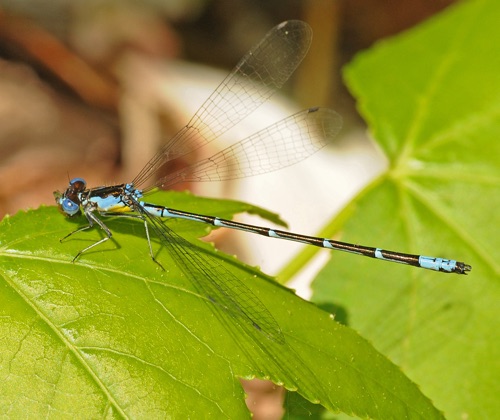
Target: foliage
x=432, y=100
x=115, y=336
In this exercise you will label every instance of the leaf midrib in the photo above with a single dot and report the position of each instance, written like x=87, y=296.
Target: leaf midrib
x=68, y=345
x=75, y=350
x=423, y=99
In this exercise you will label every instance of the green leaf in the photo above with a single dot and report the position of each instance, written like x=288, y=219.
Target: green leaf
x=113, y=335
x=431, y=98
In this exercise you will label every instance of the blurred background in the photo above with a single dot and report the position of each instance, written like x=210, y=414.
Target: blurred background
x=92, y=88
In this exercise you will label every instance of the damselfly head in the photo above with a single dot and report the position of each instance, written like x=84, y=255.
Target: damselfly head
x=69, y=201
x=67, y=206
x=77, y=185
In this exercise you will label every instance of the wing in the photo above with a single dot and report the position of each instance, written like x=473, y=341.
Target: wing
x=214, y=281
x=285, y=143
x=263, y=70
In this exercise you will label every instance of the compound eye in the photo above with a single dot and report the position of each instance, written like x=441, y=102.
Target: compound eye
x=69, y=207
x=77, y=184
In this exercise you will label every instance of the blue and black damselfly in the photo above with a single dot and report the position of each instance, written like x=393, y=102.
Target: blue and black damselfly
x=263, y=70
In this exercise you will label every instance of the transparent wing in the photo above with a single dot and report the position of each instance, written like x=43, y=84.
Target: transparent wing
x=264, y=69
x=214, y=281
x=285, y=143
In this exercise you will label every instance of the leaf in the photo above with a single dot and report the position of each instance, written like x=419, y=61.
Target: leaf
x=431, y=97
x=113, y=335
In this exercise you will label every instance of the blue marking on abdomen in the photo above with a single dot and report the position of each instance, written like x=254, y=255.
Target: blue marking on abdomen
x=438, y=264
x=378, y=254
x=272, y=234
x=327, y=244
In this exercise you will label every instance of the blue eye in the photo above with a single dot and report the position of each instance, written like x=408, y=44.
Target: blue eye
x=78, y=184
x=69, y=207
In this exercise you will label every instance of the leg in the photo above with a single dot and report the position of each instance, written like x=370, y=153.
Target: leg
x=76, y=231
x=91, y=218
x=149, y=244
x=136, y=216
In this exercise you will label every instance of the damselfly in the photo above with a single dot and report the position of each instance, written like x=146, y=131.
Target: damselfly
x=255, y=78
